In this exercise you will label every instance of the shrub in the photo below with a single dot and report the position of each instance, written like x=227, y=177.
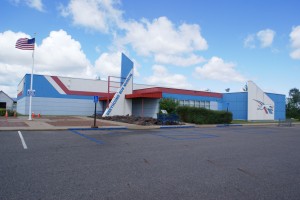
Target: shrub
x=203, y=116
x=2, y=111
x=169, y=105
x=9, y=112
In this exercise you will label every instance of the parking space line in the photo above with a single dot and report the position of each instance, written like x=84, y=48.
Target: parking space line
x=22, y=140
x=86, y=137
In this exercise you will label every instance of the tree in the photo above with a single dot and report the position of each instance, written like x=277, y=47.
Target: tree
x=294, y=96
x=168, y=104
x=293, y=104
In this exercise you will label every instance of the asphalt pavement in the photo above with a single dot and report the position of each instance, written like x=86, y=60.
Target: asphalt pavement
x=189, y=163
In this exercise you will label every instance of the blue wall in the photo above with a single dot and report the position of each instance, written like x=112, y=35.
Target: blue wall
x=47, y=101
x=237, y=103
x=43, y=88
x=190, y=97
x=126, y=66
x=279, y=101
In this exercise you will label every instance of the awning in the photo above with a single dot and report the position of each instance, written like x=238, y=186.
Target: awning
x=153, y=95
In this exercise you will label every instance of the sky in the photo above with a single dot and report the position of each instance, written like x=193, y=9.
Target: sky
x=192, y=44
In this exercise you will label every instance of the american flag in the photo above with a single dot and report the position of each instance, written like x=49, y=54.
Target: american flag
x=25, y=44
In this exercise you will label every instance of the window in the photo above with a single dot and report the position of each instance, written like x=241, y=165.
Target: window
x=181, y=102
x=202, y=104
x=207, y=104
x=192, y=103
x=186, y=102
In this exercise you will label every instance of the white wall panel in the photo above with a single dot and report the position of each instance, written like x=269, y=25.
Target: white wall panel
x=260, y=106
x=21, y=106
x=78, y=84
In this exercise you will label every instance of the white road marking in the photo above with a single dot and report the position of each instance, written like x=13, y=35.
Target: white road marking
x=22, y=140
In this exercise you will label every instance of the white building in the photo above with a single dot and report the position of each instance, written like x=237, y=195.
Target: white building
x=6, y=102
x=56, y=95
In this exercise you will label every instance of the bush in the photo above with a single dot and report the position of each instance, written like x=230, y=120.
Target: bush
x=169, y=105
x=203, y=116
x=2, y=111
x=9, y=112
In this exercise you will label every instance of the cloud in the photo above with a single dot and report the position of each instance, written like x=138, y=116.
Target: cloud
x=59, y=54
x=178, y=60
x=98, y=15
x=14, y=63
x=163, y=40
x=162, y=77
x=217, y=69
x=109, y=64
x=167, y=43
x=249, y=41
x=35, y=4
x=295, y=42
x=264, y=38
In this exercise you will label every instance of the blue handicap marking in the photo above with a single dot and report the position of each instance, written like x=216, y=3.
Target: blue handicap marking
x=189, y=136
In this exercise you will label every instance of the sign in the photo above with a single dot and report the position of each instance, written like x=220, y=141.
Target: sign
x=119, y=95
x=31, y=92
x=266, y=107
x=96, y=99
x=164, y=112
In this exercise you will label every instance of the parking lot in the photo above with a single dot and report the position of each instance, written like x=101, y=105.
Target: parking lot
x=183, y=163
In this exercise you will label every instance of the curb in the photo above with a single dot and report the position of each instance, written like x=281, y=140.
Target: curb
x=227, y=125
x=104, y=128
x=176, y=126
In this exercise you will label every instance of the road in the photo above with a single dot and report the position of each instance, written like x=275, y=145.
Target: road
x=191, y=163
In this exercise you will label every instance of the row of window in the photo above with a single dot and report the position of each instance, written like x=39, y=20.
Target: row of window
x=192, y=103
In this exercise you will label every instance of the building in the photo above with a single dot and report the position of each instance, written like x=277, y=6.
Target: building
x=55, y=95
x=7, y=102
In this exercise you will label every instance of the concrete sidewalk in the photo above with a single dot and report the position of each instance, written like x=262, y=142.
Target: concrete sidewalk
x=79, y=122
x=67, y=122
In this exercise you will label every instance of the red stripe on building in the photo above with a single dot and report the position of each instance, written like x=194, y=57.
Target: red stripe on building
x=154, y=95
x=20, y=93
x=178, y=91
x=73, y=92
x=104, y=97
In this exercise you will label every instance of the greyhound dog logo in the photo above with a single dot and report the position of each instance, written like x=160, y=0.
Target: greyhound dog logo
x=266, y=107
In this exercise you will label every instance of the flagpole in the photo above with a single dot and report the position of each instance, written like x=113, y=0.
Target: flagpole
x=31, y=84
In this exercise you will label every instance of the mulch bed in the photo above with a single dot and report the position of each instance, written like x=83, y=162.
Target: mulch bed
x=78, y=123
x=144, y=121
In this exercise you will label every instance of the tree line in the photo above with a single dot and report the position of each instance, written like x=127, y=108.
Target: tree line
x=293, y=104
